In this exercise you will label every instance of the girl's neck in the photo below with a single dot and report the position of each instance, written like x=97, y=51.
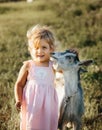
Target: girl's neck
x=42, y=64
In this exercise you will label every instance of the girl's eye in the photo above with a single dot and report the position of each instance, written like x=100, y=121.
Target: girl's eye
x=44, y=47
x=35, y=48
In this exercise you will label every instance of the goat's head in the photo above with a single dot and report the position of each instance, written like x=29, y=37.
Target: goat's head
x=68, y=60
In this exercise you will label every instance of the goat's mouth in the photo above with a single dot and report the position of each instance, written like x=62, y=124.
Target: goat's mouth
x=53, y=56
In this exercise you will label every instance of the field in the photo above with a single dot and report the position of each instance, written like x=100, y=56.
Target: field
x=77, y=24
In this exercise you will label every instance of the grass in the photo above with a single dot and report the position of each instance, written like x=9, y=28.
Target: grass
x=77, y=24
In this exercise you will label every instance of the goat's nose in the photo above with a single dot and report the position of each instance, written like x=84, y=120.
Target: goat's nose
x=61, y=61
x=52, y=53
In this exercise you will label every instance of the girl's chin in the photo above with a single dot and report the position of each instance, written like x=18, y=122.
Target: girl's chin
x=40, y=61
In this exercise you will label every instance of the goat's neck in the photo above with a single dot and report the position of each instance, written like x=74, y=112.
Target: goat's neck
x=71, y=82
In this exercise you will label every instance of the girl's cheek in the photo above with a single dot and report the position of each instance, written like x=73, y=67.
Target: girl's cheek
x=33, y=51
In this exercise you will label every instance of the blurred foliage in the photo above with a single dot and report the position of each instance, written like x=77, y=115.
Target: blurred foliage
x=11, y=0
x=77, y=24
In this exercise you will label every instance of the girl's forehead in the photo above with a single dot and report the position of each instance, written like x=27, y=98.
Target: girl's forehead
x=41, y=42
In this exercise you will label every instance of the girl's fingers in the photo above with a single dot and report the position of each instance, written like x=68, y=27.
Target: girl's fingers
x=18, y=106
x=74, y=51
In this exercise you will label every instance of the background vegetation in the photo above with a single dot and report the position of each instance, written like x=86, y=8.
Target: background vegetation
x=3, y=1
x=77, y=24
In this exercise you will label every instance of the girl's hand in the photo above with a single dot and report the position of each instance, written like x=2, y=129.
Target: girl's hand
x=74, y=51
x=18, y=105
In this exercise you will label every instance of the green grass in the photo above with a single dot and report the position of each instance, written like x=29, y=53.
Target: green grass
x=77, y=24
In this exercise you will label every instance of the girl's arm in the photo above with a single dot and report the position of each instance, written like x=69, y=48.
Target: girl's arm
x=20, y=83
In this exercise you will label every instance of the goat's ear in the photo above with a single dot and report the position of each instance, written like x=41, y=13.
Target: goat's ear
x=86, y=63
x=81, y=70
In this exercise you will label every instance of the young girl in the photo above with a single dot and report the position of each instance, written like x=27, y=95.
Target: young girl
x=34, y=89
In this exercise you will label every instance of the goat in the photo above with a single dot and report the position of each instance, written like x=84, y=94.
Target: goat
x=72, y=105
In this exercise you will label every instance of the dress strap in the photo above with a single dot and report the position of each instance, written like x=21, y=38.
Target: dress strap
x=50, y=63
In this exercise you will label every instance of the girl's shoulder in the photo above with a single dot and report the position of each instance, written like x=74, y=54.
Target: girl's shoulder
x=27, y=64
x=51, y=63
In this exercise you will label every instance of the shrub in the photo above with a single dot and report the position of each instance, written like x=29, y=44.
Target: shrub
x=86, y=41
x=77, y=12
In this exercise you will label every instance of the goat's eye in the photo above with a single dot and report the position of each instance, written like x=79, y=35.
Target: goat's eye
x=70, y=58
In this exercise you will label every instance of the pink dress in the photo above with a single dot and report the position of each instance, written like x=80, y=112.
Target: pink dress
x=40, y=103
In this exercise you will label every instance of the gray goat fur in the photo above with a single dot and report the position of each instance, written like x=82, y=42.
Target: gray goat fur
x=72, y=106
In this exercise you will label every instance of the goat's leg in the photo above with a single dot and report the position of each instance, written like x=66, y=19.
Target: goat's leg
x=65, y=127
x=62, y=113
x=76, y=125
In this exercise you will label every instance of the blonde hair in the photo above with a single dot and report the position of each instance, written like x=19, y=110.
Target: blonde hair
x=37, y=33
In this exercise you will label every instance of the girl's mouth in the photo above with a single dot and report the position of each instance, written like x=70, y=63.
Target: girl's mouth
x=40, y=56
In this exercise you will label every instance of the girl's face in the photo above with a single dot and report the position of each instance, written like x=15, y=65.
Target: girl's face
x=41, y=52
